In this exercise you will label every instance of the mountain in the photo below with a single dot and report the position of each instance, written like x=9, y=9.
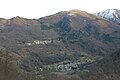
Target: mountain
x=55, y=46
x=17, y=21
x=74, y=22
x=111, y=15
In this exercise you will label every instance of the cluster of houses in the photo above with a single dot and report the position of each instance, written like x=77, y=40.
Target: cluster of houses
x=38, y=42
x=68, y=66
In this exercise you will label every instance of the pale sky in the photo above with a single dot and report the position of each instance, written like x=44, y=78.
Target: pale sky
x=41, y=8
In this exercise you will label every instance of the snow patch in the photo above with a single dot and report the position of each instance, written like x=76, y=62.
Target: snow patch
x=71, y=14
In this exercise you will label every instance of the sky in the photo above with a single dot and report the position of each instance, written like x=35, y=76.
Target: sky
x=40, y=8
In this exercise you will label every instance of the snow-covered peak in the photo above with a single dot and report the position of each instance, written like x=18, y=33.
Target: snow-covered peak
x=110, y=14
